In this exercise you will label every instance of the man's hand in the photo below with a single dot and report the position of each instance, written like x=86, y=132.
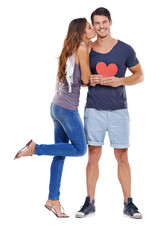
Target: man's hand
x=95, y=79
x=111, y=81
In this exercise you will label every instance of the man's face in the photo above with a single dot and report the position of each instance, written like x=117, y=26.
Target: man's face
x=102, y=25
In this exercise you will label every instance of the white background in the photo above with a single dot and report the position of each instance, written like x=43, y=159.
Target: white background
x=32, y=34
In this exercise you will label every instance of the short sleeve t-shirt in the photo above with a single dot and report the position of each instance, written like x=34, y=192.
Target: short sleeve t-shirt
x=121, y=57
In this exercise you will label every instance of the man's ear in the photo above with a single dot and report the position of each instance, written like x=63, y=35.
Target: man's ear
x=110, y=22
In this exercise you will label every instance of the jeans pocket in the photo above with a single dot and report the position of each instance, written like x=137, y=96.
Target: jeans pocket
x=58, y=112
x=74, y=114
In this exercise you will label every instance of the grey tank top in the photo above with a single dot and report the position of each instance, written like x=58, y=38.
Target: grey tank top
x=66, y=99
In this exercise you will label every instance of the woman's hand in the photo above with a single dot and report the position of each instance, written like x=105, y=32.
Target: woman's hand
x=95, y=79
x=89, y=45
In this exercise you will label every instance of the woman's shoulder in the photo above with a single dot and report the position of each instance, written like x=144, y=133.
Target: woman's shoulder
x=82, y=49
x=81, y=53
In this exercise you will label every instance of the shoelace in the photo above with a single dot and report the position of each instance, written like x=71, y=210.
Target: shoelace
x=132, y=206
x=86, y=204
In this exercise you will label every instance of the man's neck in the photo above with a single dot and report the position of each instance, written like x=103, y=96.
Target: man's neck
x=104, y=45
x=104, y=42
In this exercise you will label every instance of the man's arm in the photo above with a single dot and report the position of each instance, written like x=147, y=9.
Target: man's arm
x=135, y=78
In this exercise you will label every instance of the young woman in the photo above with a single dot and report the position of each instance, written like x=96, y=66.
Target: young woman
x=73, y=69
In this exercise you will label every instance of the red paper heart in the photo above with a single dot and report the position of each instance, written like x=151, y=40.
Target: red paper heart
x=106, y=71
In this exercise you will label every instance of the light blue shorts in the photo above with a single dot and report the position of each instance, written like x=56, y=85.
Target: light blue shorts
x=115, y=122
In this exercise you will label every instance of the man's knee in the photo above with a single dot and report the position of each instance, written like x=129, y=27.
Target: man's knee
x=94, y=154
x=121, y=155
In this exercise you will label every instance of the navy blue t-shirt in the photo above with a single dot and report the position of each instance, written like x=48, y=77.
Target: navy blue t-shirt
x=106, y=97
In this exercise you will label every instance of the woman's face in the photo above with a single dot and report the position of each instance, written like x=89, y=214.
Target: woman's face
x=89, y=31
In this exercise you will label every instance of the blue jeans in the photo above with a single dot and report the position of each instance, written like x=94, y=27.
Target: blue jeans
x=67, y=126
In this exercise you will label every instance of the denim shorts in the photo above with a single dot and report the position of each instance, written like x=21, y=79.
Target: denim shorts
x=115, y=122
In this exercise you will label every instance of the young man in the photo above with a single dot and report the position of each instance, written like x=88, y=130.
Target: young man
x=106, y=108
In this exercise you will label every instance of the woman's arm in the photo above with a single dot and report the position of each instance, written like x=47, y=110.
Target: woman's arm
x=83, y=57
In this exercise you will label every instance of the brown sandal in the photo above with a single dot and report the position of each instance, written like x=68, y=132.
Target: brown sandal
x=27, y=145
x=55, y=212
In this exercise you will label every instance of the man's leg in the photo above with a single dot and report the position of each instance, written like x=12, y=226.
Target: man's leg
x=124, y=173
x=95, y=129
x=92, y=171
x=92, y=174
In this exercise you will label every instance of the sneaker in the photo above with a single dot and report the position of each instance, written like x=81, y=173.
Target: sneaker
x=86, y=209
x=131, y=210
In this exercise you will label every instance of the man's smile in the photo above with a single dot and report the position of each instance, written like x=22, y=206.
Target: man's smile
x=102, y=30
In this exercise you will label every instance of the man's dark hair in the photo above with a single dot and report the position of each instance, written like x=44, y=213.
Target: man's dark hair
x=101, y=11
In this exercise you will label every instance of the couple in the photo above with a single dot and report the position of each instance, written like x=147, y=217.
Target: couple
x=101, y=65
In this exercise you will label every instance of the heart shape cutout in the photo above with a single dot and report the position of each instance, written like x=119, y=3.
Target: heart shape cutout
x=106, y=71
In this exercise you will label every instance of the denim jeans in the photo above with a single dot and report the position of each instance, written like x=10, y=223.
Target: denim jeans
x=67, y=126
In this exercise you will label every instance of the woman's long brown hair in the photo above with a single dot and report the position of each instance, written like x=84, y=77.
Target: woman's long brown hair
x=72, y=41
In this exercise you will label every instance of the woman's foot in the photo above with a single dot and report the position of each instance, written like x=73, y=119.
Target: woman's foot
x=55, y=207
x=28, y=150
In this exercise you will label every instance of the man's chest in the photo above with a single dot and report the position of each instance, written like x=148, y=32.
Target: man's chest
x=98, y=59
